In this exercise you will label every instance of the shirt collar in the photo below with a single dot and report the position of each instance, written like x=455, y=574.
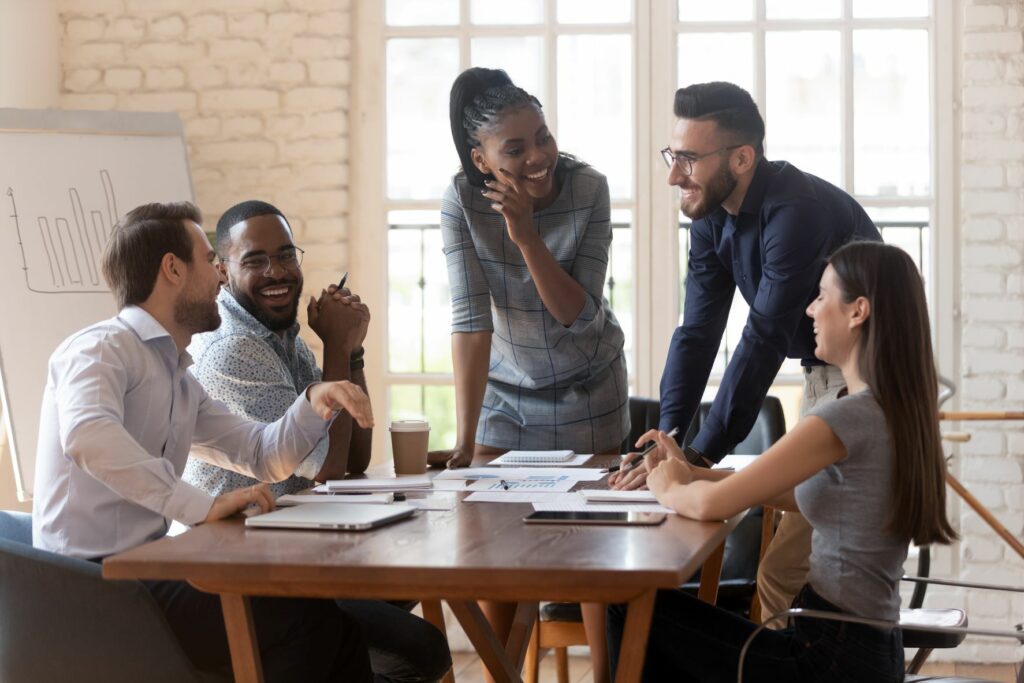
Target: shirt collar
x=754, y=198
x=235, y=314
x=149, y=330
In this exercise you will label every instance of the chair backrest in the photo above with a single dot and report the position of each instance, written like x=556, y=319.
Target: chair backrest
x=770, y=426
x=62, y=621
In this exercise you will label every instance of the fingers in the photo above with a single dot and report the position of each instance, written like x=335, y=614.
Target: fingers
x=312, y=312
x=649, y=435
x=328, y=397
x=262, y=497
x=509, y=178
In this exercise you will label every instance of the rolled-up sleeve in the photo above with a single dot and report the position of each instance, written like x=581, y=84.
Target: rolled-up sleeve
x=470, y=295
x=90, y=386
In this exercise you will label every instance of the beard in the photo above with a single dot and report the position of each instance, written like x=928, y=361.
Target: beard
x=196, y=313
x=275, y=321
x=714, y=192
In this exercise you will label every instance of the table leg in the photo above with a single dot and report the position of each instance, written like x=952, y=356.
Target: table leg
x=245, y=653
x=519, y=635
x=634, y=638
x=432, y=612
x=485, y=640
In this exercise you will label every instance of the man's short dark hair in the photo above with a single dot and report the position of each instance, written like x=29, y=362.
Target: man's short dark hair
x=729, y=106
x=131, y=259
x=243, y=211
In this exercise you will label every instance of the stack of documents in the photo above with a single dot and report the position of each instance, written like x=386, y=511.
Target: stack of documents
x=356, y=497
x=541, y=459
x=407, y=482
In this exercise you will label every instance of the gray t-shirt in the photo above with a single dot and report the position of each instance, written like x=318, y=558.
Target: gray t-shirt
x=856, y=563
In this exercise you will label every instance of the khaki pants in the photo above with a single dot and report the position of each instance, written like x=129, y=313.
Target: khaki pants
x=783, y=570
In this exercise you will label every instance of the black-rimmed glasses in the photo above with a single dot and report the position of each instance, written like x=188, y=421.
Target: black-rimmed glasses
x=686, y=161
x=289, y=259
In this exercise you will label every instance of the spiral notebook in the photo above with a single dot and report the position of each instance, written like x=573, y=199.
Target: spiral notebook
x=533, y=457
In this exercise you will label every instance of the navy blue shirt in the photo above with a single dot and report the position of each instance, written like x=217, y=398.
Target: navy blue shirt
x=774, y=250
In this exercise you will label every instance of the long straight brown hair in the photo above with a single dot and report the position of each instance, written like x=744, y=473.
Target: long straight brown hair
x=897, y=362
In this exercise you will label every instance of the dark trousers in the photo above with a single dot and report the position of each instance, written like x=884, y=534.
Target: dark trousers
x=299, y=639
x=403, y=647
x=691, y=640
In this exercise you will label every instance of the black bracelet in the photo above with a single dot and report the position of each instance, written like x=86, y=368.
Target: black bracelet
x=355, y=360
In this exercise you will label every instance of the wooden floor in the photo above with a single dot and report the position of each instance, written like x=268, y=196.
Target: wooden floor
x=469, y=670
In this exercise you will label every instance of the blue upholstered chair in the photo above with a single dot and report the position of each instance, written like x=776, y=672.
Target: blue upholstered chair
x=61, y=621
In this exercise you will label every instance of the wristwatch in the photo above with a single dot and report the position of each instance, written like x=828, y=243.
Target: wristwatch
x=696, y=458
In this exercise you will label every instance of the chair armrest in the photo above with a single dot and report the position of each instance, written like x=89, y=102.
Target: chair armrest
x=962, y=584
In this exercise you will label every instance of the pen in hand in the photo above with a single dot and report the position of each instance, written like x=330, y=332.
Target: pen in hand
x=636, y=462
x=344, y=278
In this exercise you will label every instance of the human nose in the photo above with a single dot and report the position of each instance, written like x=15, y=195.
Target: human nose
x=675, y=174
x=272, y=264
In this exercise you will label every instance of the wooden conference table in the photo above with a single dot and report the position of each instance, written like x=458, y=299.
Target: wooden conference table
x=475, y=551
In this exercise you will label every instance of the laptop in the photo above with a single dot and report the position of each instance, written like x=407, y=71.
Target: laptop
x=337, y=516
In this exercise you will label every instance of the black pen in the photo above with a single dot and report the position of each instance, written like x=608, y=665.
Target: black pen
x=341, y=283
x=504, y=484
x=635, y=462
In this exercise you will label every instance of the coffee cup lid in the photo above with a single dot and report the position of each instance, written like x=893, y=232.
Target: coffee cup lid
x=410, y=426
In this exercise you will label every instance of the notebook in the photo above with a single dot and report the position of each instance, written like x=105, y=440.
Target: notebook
x=338, y=516
x=358, y=497
x=533, y=457
x=407, y=482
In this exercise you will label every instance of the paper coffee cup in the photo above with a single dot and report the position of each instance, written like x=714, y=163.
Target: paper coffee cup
x=409, y=445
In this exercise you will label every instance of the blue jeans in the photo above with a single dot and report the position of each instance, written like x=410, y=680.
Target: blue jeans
x=693, y=641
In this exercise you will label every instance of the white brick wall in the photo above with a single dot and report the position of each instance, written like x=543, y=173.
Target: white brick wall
x=262, y=87
x=992, y=357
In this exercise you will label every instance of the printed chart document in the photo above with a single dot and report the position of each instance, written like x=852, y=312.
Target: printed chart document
x=535, y=483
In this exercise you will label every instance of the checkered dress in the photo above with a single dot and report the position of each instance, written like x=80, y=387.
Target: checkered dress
x=549, y=386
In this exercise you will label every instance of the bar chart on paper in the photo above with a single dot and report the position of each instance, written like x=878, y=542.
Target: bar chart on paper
x=60, y=252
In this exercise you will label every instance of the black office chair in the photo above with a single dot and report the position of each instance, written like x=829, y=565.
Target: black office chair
x=62, y=621
x=937, y=629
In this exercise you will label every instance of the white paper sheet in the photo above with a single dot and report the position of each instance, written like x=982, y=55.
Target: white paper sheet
x=512, y=497
x=507, y=473
x=556, y=506
x=441, y=501
x=574, y=461
x=602, y=496
x=294, y=499
x=735, y=462
x=407, y=482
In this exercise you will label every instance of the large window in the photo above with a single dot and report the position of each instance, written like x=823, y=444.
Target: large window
x=848, y=89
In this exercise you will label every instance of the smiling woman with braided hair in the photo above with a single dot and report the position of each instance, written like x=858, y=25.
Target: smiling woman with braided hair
x=537, y=352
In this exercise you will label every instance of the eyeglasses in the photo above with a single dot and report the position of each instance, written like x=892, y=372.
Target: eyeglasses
x=289, y=259
x=686, y=161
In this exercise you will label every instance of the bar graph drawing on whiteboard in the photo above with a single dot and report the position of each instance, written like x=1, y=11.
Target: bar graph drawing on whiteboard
x=60, y=252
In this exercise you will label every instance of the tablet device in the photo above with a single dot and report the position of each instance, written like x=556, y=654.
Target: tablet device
x=337, y=516
x=623, y=518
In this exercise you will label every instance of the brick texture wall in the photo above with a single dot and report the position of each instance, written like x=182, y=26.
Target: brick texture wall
x=262, y=87
x=992, y=307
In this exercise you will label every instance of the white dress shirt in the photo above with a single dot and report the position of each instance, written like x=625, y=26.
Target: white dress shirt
x=120, y=413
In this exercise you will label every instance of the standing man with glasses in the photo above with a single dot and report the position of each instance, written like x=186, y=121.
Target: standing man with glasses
x=256, y=363
x=765, y=227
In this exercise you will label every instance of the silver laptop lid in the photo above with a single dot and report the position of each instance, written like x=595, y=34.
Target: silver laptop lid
x=343, y=516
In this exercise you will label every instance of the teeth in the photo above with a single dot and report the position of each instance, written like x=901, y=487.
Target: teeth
x=538, y=176
x=278, y=291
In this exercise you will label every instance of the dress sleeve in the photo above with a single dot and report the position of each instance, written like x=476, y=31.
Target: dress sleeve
x=590, y=267
x=471, y=297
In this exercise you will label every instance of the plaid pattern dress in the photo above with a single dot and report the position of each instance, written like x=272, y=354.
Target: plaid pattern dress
x=549, y=386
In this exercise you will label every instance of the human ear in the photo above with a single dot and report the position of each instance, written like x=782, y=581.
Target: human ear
x=171, y=268
x=478, y=160
x=744, y=159
x=860, y=311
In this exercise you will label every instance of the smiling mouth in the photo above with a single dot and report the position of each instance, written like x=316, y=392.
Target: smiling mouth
x=277, y=295
x=538, y=177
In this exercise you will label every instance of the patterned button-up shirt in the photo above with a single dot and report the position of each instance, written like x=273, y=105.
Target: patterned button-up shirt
x=257, y=374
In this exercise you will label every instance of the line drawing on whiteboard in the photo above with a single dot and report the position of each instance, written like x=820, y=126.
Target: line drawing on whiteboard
x=63, y=255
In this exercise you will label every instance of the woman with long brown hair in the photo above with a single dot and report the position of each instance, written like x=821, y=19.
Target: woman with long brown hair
x=866, y=470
